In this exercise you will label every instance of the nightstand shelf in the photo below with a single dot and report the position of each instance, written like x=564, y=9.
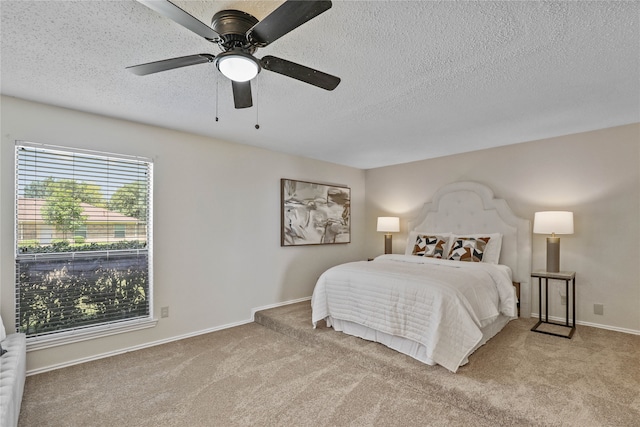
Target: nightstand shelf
x=567, y=276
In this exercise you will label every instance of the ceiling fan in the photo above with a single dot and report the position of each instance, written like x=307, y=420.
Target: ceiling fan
x=239, y=35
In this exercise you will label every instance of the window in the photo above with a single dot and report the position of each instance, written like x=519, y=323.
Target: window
x=81, y=232
x=77, y=271
x=119, y=230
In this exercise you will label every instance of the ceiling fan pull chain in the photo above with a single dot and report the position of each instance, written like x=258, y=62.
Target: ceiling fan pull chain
x=257, y=103
x=216, y=99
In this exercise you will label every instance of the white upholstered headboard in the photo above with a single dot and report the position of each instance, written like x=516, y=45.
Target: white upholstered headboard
x=470, y=207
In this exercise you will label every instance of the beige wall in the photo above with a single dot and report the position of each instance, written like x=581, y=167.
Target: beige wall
x=594, y=174
x=225, y=198
x=219, y=191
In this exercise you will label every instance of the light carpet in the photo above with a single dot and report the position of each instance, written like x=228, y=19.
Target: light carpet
x=281, y=372
x=592, y=379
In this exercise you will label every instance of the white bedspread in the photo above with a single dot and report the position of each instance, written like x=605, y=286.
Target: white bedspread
x=440, y=304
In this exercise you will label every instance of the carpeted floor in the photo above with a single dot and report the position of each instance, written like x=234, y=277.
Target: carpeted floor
x=591, y=380
x=281, y=372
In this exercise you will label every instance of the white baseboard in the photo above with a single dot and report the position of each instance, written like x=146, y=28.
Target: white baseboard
x=160, y=342
x=593, y=325
x=250, y=320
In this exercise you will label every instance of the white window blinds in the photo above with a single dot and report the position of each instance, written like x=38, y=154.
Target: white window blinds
x=83, y=241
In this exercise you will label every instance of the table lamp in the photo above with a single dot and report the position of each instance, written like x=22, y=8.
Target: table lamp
x=553, y=222
x=388, y=225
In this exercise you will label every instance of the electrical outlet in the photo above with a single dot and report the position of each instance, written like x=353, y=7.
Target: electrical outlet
x=598, y=309
x=164, y=311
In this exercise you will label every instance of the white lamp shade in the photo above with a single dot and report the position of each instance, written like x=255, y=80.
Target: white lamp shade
x=239, y=68
x=553, y=222
x=389, y=224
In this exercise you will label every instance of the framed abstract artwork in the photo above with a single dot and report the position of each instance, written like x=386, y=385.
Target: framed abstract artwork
x=314, y=214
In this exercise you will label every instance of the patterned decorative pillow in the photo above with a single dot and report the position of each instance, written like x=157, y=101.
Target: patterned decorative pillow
x=469, y=249
x=492, y=251
x=429, y=246
x=413, y=235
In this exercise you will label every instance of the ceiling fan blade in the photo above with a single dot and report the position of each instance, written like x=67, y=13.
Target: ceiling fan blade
x=173, y=12
x=170, y=64
x=242, y=94
x=300, y=72
x=287, y=17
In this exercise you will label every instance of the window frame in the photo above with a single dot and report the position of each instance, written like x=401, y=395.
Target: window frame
x=110, y=327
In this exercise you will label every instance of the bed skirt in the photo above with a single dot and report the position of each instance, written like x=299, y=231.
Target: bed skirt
x=406, y=346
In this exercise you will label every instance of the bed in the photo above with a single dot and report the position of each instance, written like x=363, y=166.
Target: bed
x=431, y=303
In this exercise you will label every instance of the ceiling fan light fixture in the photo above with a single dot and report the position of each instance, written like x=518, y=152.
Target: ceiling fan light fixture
x=238, y=66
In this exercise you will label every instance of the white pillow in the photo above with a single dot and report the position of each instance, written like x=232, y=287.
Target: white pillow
x=491, y=251
x=3, y=333
x=413, y=235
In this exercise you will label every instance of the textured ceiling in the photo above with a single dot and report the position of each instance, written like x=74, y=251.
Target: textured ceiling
x=419, y=79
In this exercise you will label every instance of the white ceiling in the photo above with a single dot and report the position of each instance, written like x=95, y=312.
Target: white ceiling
x=420, y=79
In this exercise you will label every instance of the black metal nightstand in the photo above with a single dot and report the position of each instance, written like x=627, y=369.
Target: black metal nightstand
x=567, y=276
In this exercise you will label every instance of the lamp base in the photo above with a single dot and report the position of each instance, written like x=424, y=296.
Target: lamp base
x=553, y=254
x=387, y=244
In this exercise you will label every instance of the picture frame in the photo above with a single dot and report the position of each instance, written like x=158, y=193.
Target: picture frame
x=314, y=213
